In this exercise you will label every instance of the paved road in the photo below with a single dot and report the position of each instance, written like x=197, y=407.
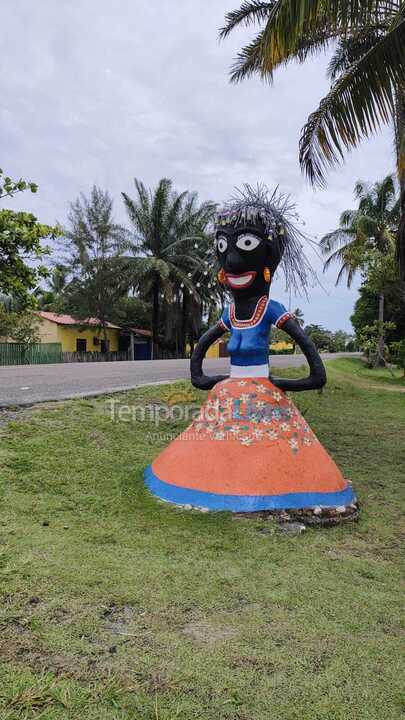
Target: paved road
x=27, y=384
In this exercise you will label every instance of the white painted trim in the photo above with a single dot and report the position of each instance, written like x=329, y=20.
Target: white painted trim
x=251, y=371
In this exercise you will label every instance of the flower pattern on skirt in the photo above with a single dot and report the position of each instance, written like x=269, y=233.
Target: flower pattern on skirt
x=252, y=410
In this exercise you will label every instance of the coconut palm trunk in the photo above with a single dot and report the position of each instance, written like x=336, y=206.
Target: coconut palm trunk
x=155, y=320
x=184, y=324
x=379, y=357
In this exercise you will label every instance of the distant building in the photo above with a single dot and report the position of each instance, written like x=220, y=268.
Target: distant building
x=85, y=336
x=77, y=335
x=137, y=343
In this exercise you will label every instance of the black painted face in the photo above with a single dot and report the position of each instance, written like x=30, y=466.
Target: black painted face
x=244, y=253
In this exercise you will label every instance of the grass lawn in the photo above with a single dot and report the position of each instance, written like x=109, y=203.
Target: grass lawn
x=114, y=605
x=372, y=377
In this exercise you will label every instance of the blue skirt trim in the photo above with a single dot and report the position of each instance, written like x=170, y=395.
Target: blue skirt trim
x=244, y=503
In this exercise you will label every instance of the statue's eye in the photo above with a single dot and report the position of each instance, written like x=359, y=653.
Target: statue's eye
x=222, y=244
x=247, y=242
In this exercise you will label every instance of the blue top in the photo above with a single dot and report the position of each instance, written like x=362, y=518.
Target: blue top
x=249, y=341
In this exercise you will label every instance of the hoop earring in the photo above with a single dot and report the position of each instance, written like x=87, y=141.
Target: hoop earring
x=221, y=276
x=267, y=274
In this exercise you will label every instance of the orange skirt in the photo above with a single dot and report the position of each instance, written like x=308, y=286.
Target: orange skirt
x=249, y=450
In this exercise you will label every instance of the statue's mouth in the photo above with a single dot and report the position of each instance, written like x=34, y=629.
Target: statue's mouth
x=240, y=281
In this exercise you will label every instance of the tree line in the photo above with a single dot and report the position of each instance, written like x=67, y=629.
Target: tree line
x=155, y=274
x=158, y=272
x=365, y=243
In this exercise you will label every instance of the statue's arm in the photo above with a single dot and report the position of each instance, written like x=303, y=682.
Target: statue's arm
x=317, y=374
x=198, y=379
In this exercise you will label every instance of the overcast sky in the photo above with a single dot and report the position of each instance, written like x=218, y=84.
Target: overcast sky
x=95, y=91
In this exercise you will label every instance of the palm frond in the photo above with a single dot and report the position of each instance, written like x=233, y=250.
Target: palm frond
x=385, y=193
x=140, y=219
x=159, y=209
x=347, y=219
x=249, y=13
x=337, y=256
x=291, y=20
x=250, y=60
x=360, y=102
x=351, y=48
x=173, y=213
x=348, y=269
x=361, y=189
x=336, y=238
x=143, y=195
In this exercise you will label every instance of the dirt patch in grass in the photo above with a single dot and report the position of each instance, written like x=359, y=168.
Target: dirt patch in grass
x=26, y=651
x=205, y=633
x=9, y=414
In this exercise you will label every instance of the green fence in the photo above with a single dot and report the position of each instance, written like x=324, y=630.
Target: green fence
x=18, y=354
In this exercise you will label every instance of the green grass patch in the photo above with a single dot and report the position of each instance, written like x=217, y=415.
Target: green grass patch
x=357, y=367
x=115, y=605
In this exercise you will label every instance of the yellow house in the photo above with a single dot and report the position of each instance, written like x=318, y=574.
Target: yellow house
x=219, y=348
x=282, y=345
x=77, y=335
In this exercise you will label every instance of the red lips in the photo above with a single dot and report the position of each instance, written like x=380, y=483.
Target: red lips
x=241, y=281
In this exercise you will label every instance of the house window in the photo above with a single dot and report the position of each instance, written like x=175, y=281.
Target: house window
x=81, y=345
x=105, y=346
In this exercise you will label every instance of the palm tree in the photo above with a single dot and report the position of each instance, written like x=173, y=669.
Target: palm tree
x=53, y=298
x=168, y=228
x=58, y=279
x=299, y=316
x=372, y=226
x=369, y=229
x=367, y=73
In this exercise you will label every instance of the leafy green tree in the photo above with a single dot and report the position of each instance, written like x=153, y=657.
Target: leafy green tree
x=339, y=341
x=166, y=227
x=383, y=278
x=397, y=353
x=95, y=244
x=21, y=251
x=327, y=340
x=370, y=339
x=367, y=72
x=9, y=187
x=131, y=311
x=319, y=336
x=366, y=310
x=20, y=327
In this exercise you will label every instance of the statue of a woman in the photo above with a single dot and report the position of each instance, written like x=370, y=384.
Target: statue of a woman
x=250, y=449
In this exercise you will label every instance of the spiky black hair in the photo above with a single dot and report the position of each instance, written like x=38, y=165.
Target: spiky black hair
x=273, y=215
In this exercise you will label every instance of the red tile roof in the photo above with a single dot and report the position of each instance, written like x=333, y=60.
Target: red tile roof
x=69, y=320
x=139, y=331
